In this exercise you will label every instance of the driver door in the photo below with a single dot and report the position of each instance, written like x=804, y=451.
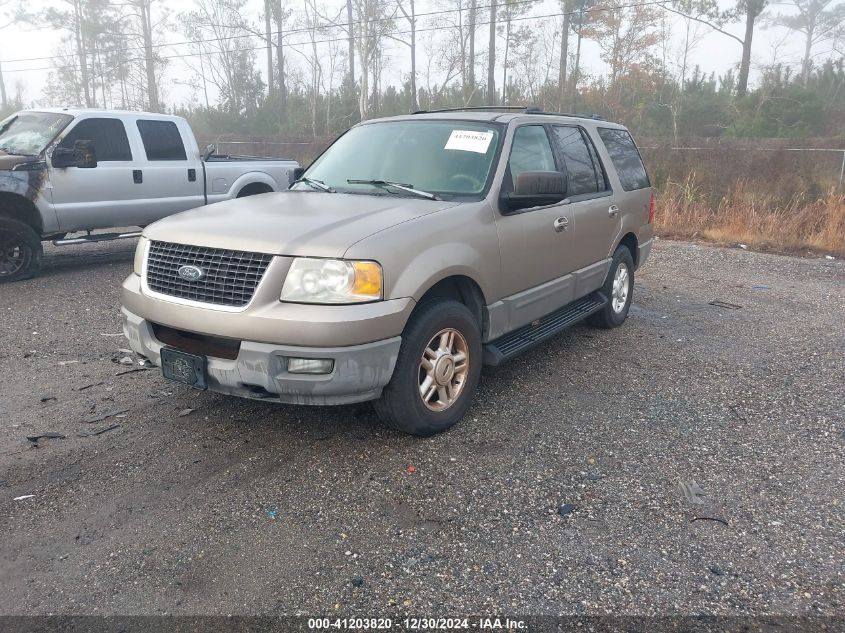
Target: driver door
x=104, y=196
x=536, y=243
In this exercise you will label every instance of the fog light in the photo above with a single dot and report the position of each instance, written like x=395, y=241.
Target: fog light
x=310, y=365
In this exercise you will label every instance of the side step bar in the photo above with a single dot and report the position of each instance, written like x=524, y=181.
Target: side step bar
x=100, y=237
x=514, y=343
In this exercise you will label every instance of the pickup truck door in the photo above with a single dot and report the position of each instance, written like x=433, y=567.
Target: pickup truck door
x=536, y=244
x=102, y=196
x=170, y=176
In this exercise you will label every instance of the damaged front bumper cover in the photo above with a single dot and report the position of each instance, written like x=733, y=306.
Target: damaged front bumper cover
x=260, y=370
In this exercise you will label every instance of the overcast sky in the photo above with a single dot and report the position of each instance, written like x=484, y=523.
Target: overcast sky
x=714, y=52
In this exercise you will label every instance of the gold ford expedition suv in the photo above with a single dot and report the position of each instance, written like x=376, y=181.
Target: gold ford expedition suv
x=411, y=252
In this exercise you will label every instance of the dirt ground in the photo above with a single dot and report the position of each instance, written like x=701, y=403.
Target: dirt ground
x=197, y=503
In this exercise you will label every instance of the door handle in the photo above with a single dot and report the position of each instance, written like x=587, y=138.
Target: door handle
x=137, y=176
x=561, y=224
x=613, y=211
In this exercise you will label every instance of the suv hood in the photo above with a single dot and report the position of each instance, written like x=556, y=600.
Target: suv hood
x=296, y=223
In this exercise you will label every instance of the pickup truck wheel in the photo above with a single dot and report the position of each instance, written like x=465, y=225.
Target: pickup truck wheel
x=20, y=251
x=437, y=370
x=619, y=289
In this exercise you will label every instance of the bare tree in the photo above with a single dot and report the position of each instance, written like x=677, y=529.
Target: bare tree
x=371, y=25
x=410, y=16
x=816, y=20
x=268, y=43
x=491, y=56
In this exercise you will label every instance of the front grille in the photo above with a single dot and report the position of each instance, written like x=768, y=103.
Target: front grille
x=230, y=277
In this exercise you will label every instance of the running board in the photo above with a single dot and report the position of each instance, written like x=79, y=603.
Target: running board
x=100, y=237
x=514, y=343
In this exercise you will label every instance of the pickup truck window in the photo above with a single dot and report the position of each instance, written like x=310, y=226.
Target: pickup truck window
x=109, y=136
x=29, y=133
x=162, y=140
x=626, y=158
x=530, y=151
x=447, y=158
x=585, y=176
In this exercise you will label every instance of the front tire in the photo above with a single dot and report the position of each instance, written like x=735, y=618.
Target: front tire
x=619, y=289
x=20, y=251
x=437, y=371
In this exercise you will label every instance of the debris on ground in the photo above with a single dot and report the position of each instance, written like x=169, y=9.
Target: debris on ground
x=566, y=509
x=67, y=362
x=412, y=470
x=98, y=431
x=761, y=287
x=104, y=416
x=724, y=304
x=692, y=492
x=126, y=360
x=133, y=370
x=96, y=384
x=48, y=398
x=743, y=246
x=185, y=412
x=45, y=436
x=22, y=497
x=357, y=581
x=717, y=519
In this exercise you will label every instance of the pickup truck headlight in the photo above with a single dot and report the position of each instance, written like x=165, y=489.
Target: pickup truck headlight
x=336, y=281
x=139, y=255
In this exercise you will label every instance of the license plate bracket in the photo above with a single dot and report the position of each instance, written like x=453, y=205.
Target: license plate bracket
x=189, y=369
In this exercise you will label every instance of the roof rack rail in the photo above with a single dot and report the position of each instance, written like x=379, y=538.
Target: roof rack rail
x=529, y=109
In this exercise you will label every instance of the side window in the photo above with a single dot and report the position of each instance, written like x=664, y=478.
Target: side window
x=626, y=158
x=585, y=176
x=531, y=151
x=109, y=136
x=162, y=140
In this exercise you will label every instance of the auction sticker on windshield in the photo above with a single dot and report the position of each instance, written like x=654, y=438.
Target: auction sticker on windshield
x=469, y=141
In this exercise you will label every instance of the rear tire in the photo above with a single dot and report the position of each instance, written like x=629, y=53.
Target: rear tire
x=437, y=370
x=20, y=251
x=619, y=289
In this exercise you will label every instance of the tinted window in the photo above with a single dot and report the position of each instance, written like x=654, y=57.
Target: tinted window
x=530, y=151
x=109, y=136
x=626, y=158
x=583, y=172
x=162, y=140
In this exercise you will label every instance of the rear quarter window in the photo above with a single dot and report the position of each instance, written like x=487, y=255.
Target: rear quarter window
x=626, y=158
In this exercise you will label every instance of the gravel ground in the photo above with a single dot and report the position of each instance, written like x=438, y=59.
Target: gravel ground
x=243, y=507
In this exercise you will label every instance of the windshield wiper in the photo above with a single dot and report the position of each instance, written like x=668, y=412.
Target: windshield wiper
x=316, y=184
x=395, y=185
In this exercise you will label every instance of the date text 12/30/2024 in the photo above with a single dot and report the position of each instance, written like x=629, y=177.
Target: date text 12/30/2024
x=418, y=624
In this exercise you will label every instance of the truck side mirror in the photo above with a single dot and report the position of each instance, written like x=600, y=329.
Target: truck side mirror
x=536, y=189
x=85, y=154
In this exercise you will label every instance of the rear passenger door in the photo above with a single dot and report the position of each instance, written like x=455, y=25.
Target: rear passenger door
x=170, y=179
x=596, y=219
x=103, y=196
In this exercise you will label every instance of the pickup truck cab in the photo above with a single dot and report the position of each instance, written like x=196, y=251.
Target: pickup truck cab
x=413, y=251
x=63, y=171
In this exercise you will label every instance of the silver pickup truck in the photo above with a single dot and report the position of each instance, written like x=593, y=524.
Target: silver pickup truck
x=64, y=171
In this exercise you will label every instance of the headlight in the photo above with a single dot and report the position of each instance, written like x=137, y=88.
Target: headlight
x=312, y=280
x=139, y=255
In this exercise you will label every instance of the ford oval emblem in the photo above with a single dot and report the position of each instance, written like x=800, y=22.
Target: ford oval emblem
x=191, y=273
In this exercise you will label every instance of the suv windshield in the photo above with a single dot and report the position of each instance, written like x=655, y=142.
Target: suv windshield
x=29, y=133
x=446, y=158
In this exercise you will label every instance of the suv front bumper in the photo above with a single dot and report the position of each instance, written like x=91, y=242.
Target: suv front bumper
x=260, y=370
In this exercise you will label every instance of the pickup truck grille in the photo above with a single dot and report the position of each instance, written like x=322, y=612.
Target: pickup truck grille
x=229, y=277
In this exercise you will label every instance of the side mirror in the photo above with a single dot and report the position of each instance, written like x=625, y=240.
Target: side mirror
x=82, y=155
x=297, y=174
x=85, y=154
x=536, y=189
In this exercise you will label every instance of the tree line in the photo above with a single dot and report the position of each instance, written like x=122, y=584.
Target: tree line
x=326, y=65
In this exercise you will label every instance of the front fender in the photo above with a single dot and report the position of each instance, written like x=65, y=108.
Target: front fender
x=452, y=259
